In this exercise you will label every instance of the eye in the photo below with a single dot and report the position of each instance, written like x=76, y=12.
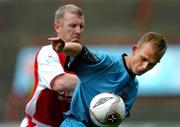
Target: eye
x=152, y=64
x=82, y=26
x=144, y=58
x=72, y=25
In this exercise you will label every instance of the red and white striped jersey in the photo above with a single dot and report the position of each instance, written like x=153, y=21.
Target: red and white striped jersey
x=45, y=105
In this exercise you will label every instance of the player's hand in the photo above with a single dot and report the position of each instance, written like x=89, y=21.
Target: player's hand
x=57, y=43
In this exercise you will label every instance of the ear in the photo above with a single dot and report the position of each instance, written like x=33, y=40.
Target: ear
x=57, y=27
x=134, y=48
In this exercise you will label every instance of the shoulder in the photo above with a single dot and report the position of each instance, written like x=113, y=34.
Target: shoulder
x=46, y=49
x=47, y=52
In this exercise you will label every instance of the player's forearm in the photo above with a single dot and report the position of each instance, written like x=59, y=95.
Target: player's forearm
x=72, y=49
x=64, y=82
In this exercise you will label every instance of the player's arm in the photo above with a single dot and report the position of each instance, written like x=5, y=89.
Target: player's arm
x=83, y=59
x=64, y=82
x=51, y=73
x=70, y=48
x=73, y=49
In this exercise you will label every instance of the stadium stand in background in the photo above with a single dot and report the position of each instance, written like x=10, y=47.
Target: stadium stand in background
x=108, y=22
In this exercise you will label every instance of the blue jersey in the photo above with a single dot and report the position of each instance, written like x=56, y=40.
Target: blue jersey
x=100, y=72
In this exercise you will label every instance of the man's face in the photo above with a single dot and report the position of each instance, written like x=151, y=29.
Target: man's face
x=143, y=59
x=70, y=28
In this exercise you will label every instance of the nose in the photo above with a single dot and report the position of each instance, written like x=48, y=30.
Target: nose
x=145, y=65
x=78, y=29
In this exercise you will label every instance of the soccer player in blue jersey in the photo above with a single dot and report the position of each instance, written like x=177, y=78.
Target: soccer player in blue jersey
x=101, y=72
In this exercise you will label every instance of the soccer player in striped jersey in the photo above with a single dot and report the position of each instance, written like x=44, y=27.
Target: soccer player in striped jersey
x=53, y=83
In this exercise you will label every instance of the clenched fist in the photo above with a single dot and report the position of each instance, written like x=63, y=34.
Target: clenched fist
x=57, y=43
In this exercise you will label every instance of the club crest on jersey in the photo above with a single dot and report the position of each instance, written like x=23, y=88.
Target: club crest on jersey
x=50, y=56
x=51, y=59
x=102, y=101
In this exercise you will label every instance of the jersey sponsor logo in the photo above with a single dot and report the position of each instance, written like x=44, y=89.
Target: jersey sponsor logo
x=102, y=101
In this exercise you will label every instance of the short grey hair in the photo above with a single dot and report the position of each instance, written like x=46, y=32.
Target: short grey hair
x=69, y=8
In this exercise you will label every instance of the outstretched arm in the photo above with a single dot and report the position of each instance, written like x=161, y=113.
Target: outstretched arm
x=84, y=59
x=70, y=48
x=66, y=81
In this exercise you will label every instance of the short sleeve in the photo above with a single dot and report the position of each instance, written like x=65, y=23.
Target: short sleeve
x=49, y=66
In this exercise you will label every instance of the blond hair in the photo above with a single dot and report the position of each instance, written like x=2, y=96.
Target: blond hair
x=157, y=40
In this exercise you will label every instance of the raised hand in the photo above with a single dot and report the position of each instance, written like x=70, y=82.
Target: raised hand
x=57, y=43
